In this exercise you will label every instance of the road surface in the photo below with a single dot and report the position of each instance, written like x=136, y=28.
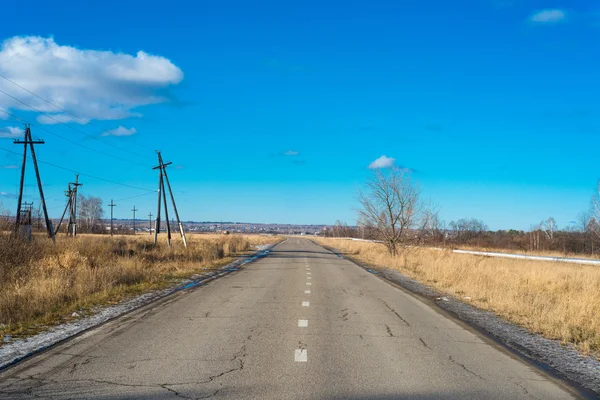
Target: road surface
x=301, y=323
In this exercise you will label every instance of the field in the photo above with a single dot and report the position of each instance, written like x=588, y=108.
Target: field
x=560, y=301
x=41, y=285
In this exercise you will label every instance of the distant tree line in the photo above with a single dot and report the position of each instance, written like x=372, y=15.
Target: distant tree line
x=393, y=212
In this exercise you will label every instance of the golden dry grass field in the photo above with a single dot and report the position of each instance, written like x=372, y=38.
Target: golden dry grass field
x=560, y=301
x=42, y=284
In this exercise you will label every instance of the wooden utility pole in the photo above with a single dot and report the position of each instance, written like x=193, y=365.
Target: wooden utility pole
x=134, y=210
x=72, y=229
x=71, y=193
x=150, y=222
x=27, y=140
x=112, y=205
x=162, y=177
x=181, y=231
x=157, y=225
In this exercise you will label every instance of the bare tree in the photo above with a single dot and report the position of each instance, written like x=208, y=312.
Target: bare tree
x=390, y=207
x=467, y=229
x=594, y=214
x=584, y=221
x=90, y=213
x=430, y=222
x=549, y=227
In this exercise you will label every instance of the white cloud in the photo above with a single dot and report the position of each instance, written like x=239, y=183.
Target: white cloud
x=120, y=131
x=382, y=162
x=291, y=153
x=9, y=195
x=548, y=16
x=9, y=167
x=11, y=132
x=91, y=84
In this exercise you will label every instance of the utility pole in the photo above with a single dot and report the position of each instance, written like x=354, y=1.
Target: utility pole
x=73, y=219
x=71, y=193
x=112, y=205
x=150, y=222
x=134, y=210
x=27, y=140
x=162, y=177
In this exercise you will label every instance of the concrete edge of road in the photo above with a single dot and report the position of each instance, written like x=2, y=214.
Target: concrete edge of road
x=563, y=364
x=20, y=350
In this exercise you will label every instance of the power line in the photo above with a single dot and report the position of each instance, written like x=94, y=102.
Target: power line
x=84, y=174
x=64, y=123
x=71, y=141
x=73, y=115
x=135, y=197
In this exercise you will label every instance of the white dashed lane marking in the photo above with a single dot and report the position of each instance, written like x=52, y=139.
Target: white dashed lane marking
x=300, y=355
x=308, y=273
x=302, y=323
x=308, y=283
x=307, y=292
x=305, y=304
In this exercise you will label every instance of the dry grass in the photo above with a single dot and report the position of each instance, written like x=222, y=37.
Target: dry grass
x=560, y=301
x=42, y=285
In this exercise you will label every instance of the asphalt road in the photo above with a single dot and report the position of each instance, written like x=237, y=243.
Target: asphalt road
x=301, y=323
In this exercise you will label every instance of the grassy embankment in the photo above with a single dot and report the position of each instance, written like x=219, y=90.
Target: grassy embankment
x=560, y=301
x=43, y=285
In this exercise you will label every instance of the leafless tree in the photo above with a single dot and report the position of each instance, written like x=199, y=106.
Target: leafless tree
x=584, y=221
x=594, y=214
x=390, y=207
x=466, y=229
x=430, y=222
x=549, y=227
x=90, y=213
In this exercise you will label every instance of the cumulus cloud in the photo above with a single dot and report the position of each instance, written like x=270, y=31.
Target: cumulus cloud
x=291, y=153
x=548, y=16
x=120, y=131
x=12, y=132
x=91, y=84
x=382, y=162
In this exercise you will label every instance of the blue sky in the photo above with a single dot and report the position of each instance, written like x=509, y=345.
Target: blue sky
x=272, y=111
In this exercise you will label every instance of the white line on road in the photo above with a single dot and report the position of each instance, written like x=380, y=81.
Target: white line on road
x=307, y=292
x=305, y=304
x=300, y=355
x=308, y=273
x=309, y=278
x=302, y=323
x=308, y=283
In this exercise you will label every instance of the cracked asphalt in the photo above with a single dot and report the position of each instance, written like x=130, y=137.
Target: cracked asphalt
x=236, y=338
